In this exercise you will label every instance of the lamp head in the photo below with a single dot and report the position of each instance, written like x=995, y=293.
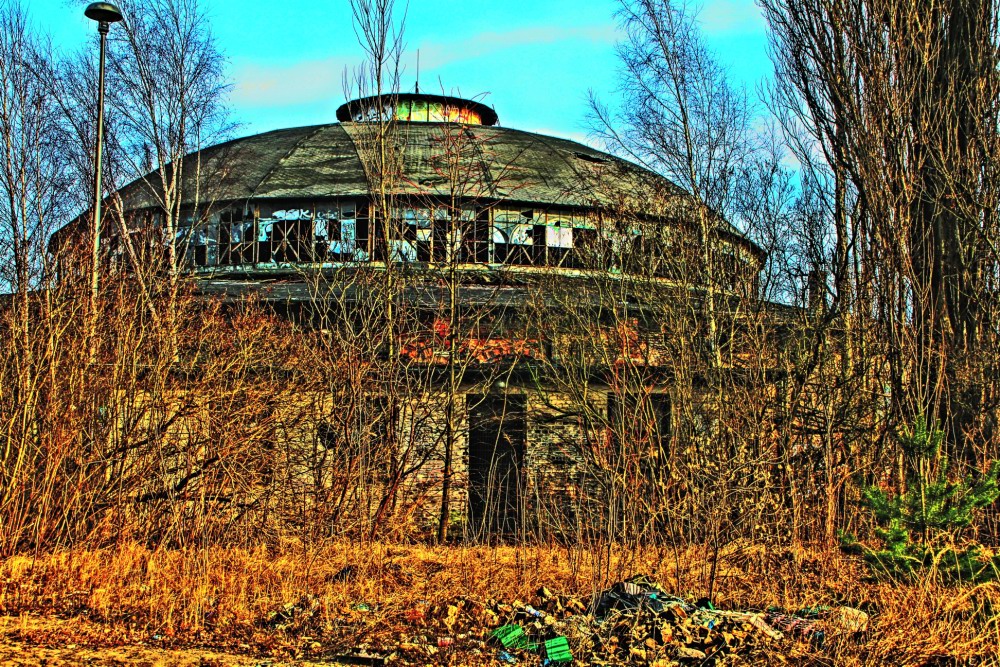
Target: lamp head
x=103, y=12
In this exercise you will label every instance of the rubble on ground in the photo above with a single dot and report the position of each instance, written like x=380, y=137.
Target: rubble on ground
x=635, y=622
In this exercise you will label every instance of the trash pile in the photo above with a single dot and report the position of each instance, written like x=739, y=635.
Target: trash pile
x=294, y=615
x=635, y=622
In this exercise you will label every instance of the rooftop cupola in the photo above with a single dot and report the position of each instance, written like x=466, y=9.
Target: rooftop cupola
x=417, y=108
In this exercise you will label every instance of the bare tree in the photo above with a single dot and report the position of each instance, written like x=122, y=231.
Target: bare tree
x=379, y=29
x=167, y=99
x=901, y=101
x=34, y=173
x=680, y=117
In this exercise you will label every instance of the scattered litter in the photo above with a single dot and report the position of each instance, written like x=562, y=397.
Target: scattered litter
x=797, y=626
x=361, y=658
x=557, y=650
x=638, y=622
x=293, y=615
x=635, y=622
x=846, y=620
x=511, y=636
x=415, y=615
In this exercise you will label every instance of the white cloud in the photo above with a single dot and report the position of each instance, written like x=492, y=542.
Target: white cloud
x=309, y=81
x=486, y=43
x=731, y=16
x=284, y=85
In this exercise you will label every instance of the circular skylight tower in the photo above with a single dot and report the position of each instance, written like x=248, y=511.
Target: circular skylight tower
x=417, y=108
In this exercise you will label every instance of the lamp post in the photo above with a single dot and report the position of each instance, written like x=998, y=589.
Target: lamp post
x=105, y=14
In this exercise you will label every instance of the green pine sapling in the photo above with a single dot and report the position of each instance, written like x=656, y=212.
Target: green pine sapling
x=924, y=529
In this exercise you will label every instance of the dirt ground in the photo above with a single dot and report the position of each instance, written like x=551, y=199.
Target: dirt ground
x=42, y=642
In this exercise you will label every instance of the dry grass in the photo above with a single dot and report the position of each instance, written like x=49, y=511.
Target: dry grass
x=219, y=597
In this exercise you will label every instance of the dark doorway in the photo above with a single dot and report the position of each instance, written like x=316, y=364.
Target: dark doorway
x=497, y=438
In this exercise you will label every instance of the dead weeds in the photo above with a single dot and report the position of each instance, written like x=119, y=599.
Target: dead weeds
x=317, y=603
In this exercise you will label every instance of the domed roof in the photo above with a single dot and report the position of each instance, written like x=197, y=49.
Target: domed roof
x=438, y=159
x=325, y=161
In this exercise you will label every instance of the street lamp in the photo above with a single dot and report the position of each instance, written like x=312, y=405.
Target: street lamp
x=105, y=14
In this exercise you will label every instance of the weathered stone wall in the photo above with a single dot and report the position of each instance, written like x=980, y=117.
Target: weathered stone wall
x=331, y=473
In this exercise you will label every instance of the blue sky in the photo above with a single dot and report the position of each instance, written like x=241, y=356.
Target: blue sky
x=534, y=65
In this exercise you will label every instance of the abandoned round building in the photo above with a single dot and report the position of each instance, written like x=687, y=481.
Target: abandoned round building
x=434, y=188
x=306, y=197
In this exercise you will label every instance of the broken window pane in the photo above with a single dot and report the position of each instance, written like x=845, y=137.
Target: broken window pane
x=203, y=242
x=292, y=239
x=475, y=239
x=265, y=230
x=320, y=228
x=402, y=251
x=236, y=239
x=559, y=237
x=512, y=242
x=347, y=245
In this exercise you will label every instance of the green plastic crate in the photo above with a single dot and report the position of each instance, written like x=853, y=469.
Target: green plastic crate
x=511, y=636
x=557, y=650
